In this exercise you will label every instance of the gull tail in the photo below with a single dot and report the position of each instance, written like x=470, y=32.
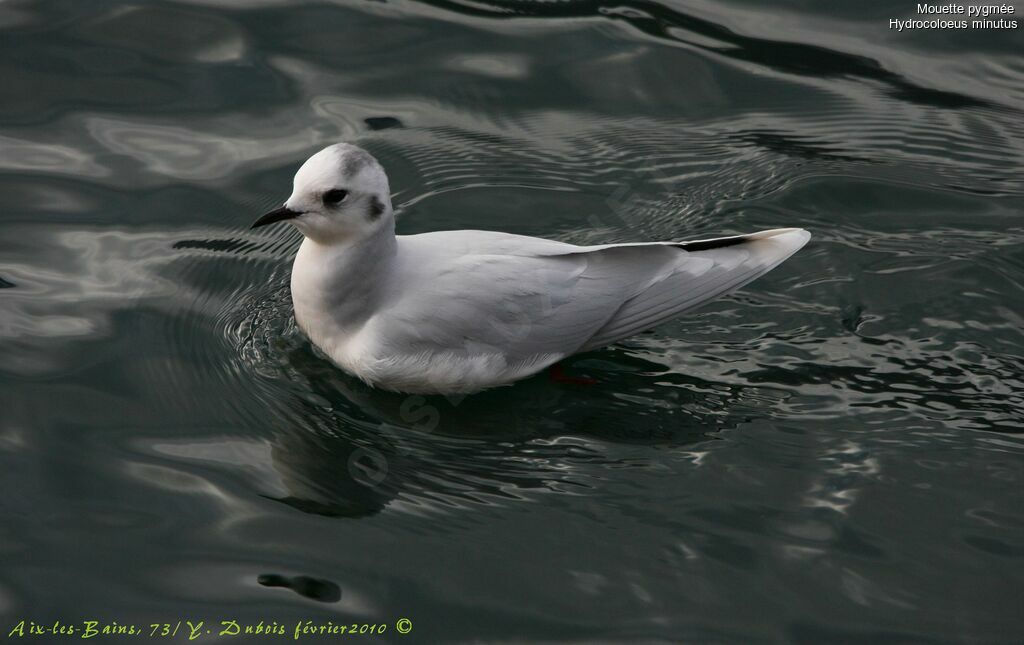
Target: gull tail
x=703, y=271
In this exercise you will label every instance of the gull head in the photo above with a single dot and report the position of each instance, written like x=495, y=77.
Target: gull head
x=341, y=193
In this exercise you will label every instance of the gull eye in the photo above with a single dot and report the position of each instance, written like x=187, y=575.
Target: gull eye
x=335, y=196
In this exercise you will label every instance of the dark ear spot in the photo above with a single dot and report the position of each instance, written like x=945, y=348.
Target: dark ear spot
x=376, y=207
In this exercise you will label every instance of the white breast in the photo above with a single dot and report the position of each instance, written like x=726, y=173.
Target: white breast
x=335, y=293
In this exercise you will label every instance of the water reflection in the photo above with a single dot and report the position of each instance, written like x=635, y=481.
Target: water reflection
x=30, y=157
x=314, y=588
x=197, y=37
x=349, y=450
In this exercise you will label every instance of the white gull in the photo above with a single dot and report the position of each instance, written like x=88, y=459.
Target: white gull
x=461, y=311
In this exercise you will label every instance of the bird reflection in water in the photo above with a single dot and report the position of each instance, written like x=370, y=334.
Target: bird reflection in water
x=351, y=450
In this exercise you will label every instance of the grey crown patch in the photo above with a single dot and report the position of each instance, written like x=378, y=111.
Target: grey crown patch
x=356, y=160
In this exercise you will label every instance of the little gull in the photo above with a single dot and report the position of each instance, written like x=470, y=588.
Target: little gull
x=461, y=311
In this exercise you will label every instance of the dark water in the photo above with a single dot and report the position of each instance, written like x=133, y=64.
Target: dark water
x=833, y=454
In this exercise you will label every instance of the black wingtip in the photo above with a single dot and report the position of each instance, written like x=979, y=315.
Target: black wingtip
x=717, y=243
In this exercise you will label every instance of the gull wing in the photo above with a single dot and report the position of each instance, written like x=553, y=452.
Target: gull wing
x=536, y=301
x=705, y=270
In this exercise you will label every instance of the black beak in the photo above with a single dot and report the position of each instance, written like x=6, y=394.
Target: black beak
x=278, y=215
